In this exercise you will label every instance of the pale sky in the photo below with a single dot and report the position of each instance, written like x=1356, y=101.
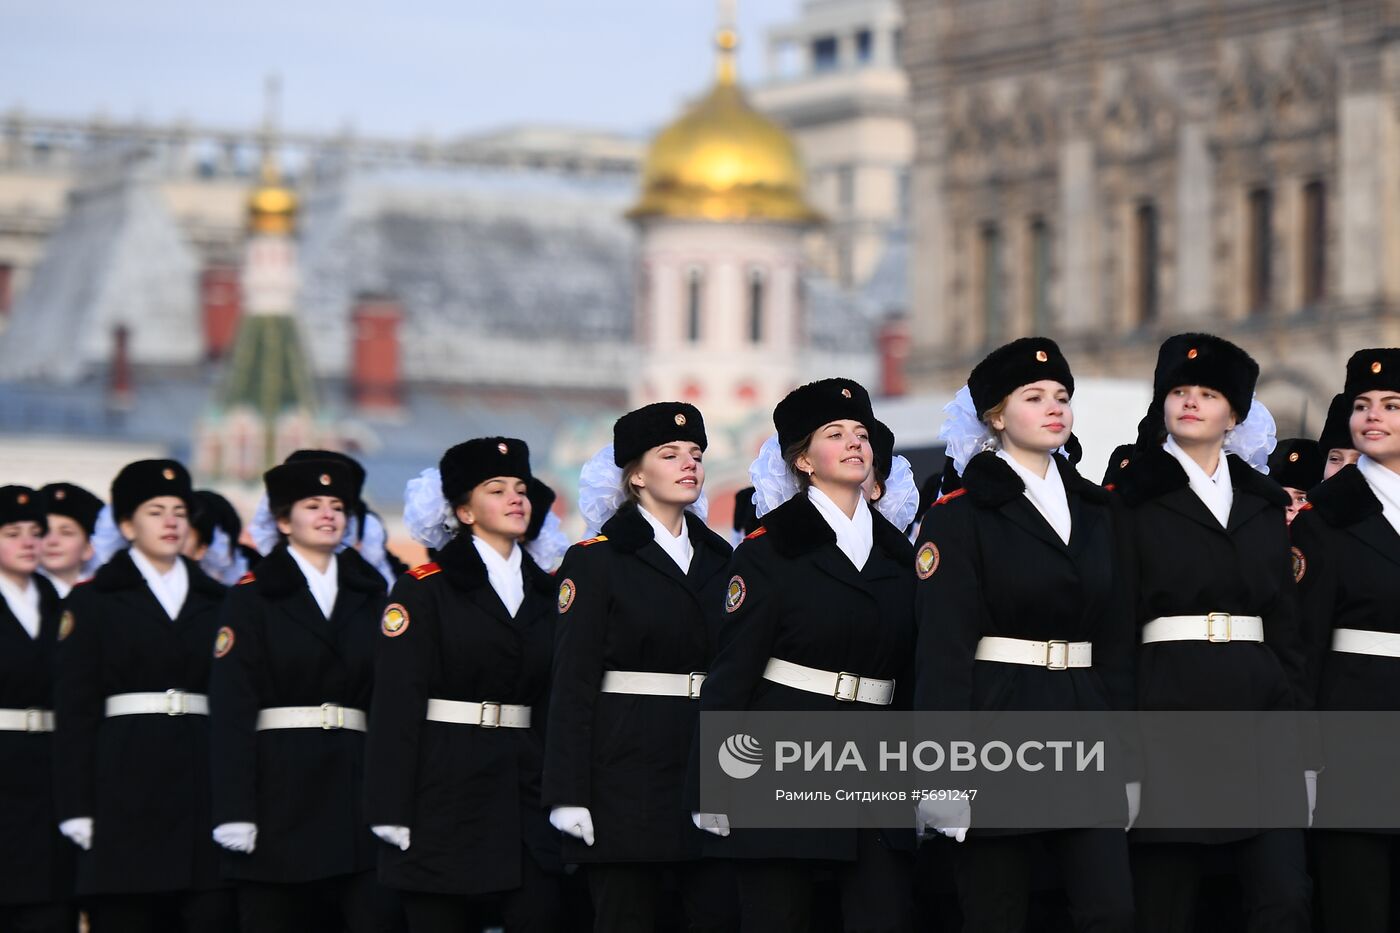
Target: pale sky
x=400, y=68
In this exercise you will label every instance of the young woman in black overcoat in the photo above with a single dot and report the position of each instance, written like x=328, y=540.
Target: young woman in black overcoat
x=36, y=862
x=639, y=616
x=1347, y=561
x=290, y=694
x=68, y=556
x=132, y=767
x=1019, y=609
x=1216, y=613
x=824, y=586
x=461, y=681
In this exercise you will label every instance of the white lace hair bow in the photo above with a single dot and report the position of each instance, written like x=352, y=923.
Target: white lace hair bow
x=222, y=560
x=427, y=516
x=1253, y=439
x=106, y=538
x=900, y=500
x=550, y=544
x=600, y=492
x=773, y=483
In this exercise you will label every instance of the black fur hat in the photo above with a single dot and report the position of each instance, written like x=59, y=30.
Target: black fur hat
x=1336, y=430
x=745, y=512
x=74, y=502
x=1018, y=363
x=22, y=504
x=1372, y=370
x=211, y=511
x=1205, y=360
x=472, y=462
x=882, y=442
x=1118, y=461
x=807, y=408
x=144, y=480
x=302, y=479
x=653, y=425
x=541, y=501
x=1297, y=462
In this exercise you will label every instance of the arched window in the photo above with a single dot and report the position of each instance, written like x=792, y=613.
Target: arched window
x=694, y=296
x=1146, y=301
x=1314, y=243
x=757, y=297
x=1261, y=251
x=993, y=312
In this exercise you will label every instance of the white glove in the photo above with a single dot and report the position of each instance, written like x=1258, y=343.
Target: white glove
x=394, y=835
x=952, y=818
x=1310, y=781
x=237, y=837
x=717, y=823
x=1134, y=789
x=576, y=821
x=79, y=830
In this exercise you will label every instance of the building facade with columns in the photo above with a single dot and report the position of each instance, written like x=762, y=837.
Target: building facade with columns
x=1110, y=172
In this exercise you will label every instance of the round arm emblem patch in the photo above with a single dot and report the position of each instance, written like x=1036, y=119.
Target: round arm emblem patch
x=735, y=593
x=395, y=621
x=223, y=641
x=926, y=561
x=567, y=592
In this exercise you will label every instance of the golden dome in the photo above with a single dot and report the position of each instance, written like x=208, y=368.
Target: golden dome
x=723, y=160
x=272, y=206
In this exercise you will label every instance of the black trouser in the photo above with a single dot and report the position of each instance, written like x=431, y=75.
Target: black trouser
x=994, y=879
x=1273, y=875
x=61, y=917
x=174, y=912
x=627, y=897
x=1354, y=880
x=534, y=907
x=355, y=903
x=876, y=895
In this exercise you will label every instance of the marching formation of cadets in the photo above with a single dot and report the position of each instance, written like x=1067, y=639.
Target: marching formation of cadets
x=197, y=736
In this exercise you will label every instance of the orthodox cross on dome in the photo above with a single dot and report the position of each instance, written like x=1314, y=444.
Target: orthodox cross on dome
x=726, y=41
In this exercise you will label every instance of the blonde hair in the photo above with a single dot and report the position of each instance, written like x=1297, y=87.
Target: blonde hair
x=993, y=413
x=790, y=456
x=631, y=491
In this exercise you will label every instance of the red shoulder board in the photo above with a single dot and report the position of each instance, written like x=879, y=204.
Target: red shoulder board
x=424, y=570
x=246, y=578
x=758, y=532
x=1110, y=487
x=942, y=500
x=1305, y=507
x=589, y=541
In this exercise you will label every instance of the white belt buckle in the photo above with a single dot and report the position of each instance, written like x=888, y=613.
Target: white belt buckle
x=848, y=694
x=494, y=720
x=332, y=716
x=1211, y=618
x=693, y=682
x=33, y=720
x=1057, y=655
x=177, y=702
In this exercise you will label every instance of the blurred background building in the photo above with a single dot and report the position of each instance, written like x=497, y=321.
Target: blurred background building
x=1114, y=171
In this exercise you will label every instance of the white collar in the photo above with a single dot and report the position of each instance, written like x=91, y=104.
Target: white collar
x=62, y=586
x=24, y=603
x=503, y=573
x=677, y=546
x=324, y=584
x=1046, y=493
x=170, y=588
x=855, y=535
x=1215, y=490
x=1386, y=485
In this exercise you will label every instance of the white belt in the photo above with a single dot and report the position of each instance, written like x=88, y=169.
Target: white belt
x=26, y=720
x=1218, y=627
x=1052, y=655
x=169, y=703
x=485, y=715
x=843, y=686
x=651, y=684
x=325, y=716
x=1361, y=641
